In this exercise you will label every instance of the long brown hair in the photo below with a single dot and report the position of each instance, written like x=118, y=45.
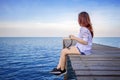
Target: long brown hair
x=84, y=20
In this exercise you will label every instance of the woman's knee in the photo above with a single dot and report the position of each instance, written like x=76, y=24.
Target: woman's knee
x=64, y=51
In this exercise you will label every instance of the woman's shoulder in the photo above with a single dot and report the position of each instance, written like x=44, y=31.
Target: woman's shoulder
x=84, y=29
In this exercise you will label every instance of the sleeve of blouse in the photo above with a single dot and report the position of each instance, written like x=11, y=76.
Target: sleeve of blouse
x=85, y=34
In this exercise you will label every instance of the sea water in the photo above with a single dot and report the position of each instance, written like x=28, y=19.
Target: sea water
x=31, y=58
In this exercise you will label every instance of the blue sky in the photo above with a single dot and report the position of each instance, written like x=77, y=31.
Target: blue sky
x=57, y=17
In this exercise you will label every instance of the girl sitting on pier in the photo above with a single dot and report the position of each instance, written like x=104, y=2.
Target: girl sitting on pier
x=83, y=46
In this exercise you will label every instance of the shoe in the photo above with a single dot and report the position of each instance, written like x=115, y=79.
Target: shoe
x=62, y=72
x=56, y=71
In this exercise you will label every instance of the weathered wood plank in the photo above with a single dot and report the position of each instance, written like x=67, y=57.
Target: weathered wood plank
x=97, y=73
x=91, y=58
x=98, y=68
x=96, y=63
x=103, y=47
x=79, y=67
x=98, y=78
x=96, y=55
x=96, y=59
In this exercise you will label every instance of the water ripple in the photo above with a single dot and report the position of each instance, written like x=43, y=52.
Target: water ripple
x=29, y=58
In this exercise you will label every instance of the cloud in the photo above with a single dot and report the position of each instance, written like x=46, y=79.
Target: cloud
x=37, y=29
x=58, y=18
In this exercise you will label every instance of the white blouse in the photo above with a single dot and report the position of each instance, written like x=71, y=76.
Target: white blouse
x=85, y=35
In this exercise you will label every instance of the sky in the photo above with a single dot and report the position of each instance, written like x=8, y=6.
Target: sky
x=57, y=18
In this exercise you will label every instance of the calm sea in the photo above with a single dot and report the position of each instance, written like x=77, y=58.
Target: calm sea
x=33, y=58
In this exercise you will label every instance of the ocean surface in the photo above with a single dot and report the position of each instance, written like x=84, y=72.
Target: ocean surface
x=31, y=58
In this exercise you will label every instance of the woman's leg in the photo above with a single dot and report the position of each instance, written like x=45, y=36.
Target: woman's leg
x=64, y=52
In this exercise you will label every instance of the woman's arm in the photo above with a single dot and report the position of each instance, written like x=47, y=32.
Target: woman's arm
x=78, y=39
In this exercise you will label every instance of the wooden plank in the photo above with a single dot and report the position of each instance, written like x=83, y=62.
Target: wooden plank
x=78, y=58
x=96, y=59
x=81, y=67
x=98, y=78
x=97, y=55
x=96, y=63
x=97, y=73
x=105, y=52
x=106, y=65
x=103, y=47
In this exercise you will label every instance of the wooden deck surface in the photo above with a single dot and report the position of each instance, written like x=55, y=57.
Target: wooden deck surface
x=102, y=64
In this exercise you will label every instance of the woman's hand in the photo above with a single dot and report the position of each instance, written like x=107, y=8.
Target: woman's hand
x=72, y=37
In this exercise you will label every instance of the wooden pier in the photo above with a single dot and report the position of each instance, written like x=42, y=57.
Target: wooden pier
x=102, y=64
